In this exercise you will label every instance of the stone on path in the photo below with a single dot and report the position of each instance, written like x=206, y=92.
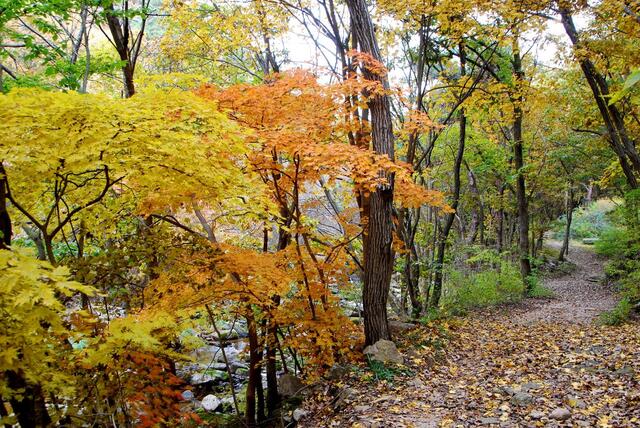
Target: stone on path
x=560, y=414
x=522, y=399
x=384, y=351
x=536, y=414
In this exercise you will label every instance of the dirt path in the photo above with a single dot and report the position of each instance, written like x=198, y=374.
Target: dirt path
x=578, y=297
x=540, y=363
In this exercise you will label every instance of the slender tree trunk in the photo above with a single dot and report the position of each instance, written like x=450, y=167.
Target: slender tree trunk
x=30, y=409
x=5, y=219
x=254, y=372
x=273, y=397
x=36, y=236
x=477, y=225
x=518, y=155
x=411, y=271
x=567, y=230
x=378, y=251
x=618, y=137
x=500, y=215
x=450, y=217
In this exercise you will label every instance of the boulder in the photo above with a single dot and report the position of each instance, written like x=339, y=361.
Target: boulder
x=337, y=372
x=530, y=386
x=206, y=354
x=384, y=351
x=208, y=376
x=210, y=403
x=397, y=328
x=231, y=353
x=235, y=365
x=289, y=385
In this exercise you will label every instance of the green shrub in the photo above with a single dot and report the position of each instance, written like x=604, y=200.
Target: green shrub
x=588, y=222
x=539, y=291
x=497, y=281
x=621, y=245
x=617, y=315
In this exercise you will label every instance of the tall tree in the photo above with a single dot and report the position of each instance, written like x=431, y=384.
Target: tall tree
x=378, y=251
x=518, y=156
x=617, y=134
x=448, y=221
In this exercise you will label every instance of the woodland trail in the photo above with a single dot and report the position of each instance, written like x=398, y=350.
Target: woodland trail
x=579, y=296
x=538, y=363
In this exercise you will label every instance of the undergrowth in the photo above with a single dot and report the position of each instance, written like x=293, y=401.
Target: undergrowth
x=488, y=280
x=621, y=245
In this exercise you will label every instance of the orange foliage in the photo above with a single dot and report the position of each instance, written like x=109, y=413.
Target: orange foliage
x=299, y=131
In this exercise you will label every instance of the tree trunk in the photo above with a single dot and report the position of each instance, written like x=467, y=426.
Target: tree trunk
x=521, y=195
x=126, y=45
x=254, y=372
x=5, y=219
x=378, y=252
x=273, y=397
x=30, y=409
x=567, y=230
x=500, y=215
x=618, y=137
x=36, y=236
x=450, y=217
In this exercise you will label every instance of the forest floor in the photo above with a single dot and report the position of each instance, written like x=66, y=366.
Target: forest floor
x=541, y=362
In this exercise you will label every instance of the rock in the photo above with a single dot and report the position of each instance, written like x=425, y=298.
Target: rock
x=560, y=414
x=217, y=366
x=299, y=414
x=238, y=365
x=536, y=414
x=625, y=371
x=227, y=405
x=399, y=327
x=509, y=391
x=208, y=376
x=347, y=394
x=187, y=395
x=361, y=409
x=289, y=385
x=231, y=353
x=416, y=383
x=530, y=386
x=337, y=372
x=489, y=421
x=522, y=399
x=210, y=403
x=384, y=351
x=206, y=354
